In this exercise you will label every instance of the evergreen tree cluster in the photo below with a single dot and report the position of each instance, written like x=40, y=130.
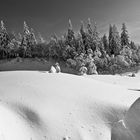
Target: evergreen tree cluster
x=85, y=49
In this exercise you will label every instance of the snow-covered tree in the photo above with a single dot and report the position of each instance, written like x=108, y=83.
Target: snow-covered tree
x=92, y=36
x=4, y=37
x=84, y=36
x=28, y=40
x=89, y=27
x=4, y=40
x=70, y=35
x=114, y=40
x=33, y=40
x=79, y=45
x=124, y=35
x=105, y=43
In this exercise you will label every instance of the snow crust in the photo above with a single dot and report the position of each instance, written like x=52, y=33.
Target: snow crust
x=42, y=105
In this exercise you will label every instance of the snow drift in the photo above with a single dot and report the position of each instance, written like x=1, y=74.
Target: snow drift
x=39, y=106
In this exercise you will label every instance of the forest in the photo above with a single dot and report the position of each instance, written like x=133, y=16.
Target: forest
x=83, y=49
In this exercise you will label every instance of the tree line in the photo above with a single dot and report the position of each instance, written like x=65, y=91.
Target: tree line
x=85, y=48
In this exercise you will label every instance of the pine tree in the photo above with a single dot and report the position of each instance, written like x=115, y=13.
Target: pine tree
x=89, y=27
x=70, y=42
x=40, y=39
x=28, y=40
x=84, y=36
x=4, y=37
x=53, y=46
x=3, y=26
x=96, y=39
x=133, y=45
x=96, y=33
x=93, y=36
x=25, y=38
x=33, y=40
x=19, y=37
x=80, y=48
x=110, y=38
x=4, y=40
x=114, y=40
x=105, y=44
x=82, y=29
x=90, y=37
x=70, y=34
x=124, y=35
x=26, y=28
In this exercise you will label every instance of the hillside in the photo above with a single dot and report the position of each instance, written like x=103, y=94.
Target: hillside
x=36, y=105
x=32, y=64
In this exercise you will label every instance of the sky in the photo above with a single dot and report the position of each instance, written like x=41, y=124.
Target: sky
x=51, y=16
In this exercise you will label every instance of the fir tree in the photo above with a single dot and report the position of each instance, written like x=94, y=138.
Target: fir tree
x=114, y=40
x=25, y=38
x=82, y=29
x=124, y=36
x=96, y=38
x=96, y=33
x=80, y=48
x=133, y=45
x=28, y=40
x=89, y=27
x=93, y=36
x=90, y=38
x=70, y=34
x=3, y=26
x=105, y=44
x=4, y=40
x=4, y=37
x=40, y=39
x=110, y=38
x=70, y=42
x=84, y=36
x=33, y=40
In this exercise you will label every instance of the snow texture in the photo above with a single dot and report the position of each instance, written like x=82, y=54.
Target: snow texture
x=40, y=106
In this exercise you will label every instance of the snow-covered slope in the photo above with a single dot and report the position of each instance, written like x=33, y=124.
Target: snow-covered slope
x=39, y=106
x=124, y=80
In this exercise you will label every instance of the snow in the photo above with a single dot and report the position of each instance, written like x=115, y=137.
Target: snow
x=57, y=106
x=121, y=80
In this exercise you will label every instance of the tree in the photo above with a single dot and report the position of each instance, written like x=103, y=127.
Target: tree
x=70, y=35
x=93, y=36
x=54, y=47
x=89, y=27
x=28, y=41
x=4, y=40
x=80, y=61
x=41, y=39
x=25, y=40
x=80, y=48
x=133, y=45
x=96, y=34
x=70, y=43
x=33, y=40
x=110, y=38
x=105, y=44
x=124, y=36
x=84, y=36
x=96, y=39
x=114, y=40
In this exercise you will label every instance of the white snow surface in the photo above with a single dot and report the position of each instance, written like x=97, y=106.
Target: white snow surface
x=51, y=106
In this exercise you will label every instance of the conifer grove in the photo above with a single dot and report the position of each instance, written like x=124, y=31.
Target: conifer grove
x=104, y=54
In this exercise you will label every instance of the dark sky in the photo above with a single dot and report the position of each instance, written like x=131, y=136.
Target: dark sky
x=49, y=16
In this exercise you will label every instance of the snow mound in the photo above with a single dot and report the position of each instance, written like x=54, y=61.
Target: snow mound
x=37, y=105
x=129, y=127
